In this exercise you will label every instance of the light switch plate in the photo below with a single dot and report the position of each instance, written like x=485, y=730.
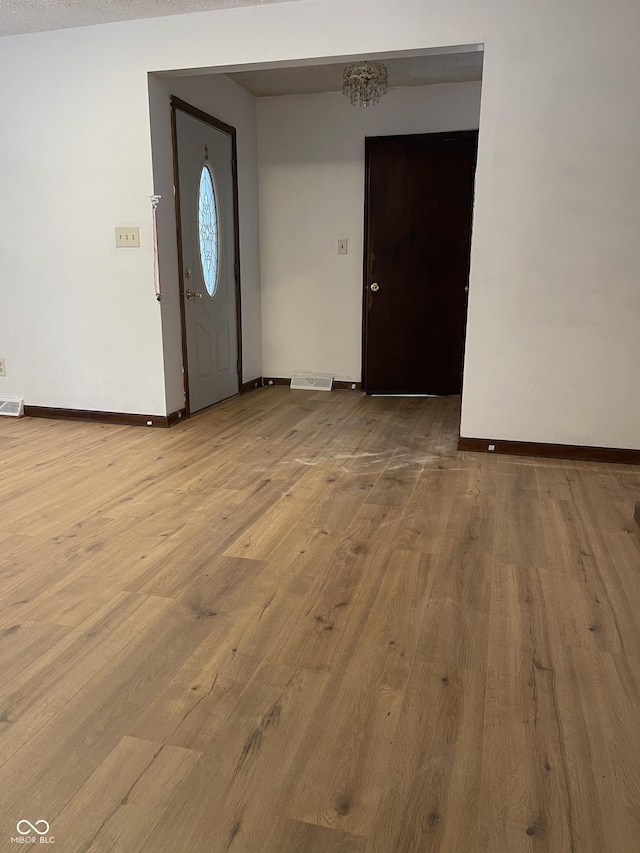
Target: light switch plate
x=343, y=246
x=128, y=238
x=3, y=367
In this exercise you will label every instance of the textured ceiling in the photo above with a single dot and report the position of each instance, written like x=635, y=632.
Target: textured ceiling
x=30, y=16
x=404, y=71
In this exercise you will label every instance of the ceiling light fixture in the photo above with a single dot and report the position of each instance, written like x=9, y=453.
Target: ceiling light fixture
x=364, y=83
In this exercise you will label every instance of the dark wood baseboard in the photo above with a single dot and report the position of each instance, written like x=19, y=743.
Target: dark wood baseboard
x=176, y=417
x=119, y=418
x=551, y=451
x=252, y=385
x=636, y=514
x=338, y=384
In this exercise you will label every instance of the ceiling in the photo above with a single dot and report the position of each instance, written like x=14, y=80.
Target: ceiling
x=403, y=71
x=30, y=16
x=27, y=16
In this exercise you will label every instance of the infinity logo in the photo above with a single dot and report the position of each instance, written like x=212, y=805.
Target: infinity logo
x=32, y=827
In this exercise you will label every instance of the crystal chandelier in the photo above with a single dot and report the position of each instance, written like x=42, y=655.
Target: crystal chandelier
x=364, y=83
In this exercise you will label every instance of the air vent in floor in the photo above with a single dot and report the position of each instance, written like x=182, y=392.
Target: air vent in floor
x=12, y=408
x=312, y=381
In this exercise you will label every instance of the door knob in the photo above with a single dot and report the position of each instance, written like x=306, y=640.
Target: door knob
x=375, y=287
x=190, y=294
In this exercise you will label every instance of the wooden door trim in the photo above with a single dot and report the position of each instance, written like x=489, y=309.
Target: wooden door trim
x=459, y=134
x=183, y=106
x=365, y=261
x=176, y=199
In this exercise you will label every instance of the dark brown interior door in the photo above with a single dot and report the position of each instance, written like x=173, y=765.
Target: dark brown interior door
x=419, y=192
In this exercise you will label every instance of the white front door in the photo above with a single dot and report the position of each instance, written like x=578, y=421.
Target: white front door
x=206, y=187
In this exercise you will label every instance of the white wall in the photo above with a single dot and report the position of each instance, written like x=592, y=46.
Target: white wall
x=552, y=348
x=225, y=100
x=79, y=324
x=311, y=171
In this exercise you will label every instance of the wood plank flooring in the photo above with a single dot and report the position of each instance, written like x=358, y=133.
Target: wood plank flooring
x=304, y=623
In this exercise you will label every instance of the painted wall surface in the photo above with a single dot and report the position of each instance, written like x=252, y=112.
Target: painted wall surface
x=552, y=349
x=79, y=324
x=225, y=100
x=311, y=168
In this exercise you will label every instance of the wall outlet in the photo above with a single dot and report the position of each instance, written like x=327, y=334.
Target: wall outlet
x=3, y=367
x=128, y=238
x=343, y=246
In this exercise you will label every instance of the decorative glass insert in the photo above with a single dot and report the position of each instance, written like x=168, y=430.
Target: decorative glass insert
x=208, y=230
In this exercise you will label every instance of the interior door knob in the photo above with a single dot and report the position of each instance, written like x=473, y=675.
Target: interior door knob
x=375, y=287
x=190, y=294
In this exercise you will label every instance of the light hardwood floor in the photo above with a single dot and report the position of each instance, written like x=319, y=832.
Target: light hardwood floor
x=303, y=623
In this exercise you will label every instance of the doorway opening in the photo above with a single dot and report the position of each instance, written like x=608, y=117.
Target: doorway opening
x=301, y=167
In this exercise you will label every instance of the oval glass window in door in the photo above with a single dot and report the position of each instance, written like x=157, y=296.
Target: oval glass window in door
x=208, y=229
